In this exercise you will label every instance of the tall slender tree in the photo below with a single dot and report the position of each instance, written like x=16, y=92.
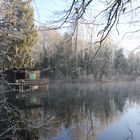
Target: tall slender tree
x=20, y=32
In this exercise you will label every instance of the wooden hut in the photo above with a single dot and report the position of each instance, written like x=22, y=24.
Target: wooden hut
x=26, y=79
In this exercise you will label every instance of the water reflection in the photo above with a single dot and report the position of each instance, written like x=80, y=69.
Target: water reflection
x=88, y=110
x=108, y=111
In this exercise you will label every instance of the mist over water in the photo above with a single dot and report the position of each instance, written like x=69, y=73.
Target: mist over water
x=78, y=111
x=101, y=111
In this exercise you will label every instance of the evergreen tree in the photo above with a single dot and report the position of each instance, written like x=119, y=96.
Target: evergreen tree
x=120, y=63
x=20, y=33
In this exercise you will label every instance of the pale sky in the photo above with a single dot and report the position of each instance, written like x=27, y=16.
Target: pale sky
x=45, y=9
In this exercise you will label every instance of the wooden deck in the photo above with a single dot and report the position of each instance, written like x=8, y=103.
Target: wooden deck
x=27, y=85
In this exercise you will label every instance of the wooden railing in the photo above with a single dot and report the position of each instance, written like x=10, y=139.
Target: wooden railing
x=24, y=85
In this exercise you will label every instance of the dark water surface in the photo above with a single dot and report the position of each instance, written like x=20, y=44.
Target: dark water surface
x=107, y=111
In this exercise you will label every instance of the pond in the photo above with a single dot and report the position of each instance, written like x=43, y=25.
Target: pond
x=101, y=111
x=107, y=111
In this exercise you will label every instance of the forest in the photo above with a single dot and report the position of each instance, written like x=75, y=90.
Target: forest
x=67, y=54
x=89, y=51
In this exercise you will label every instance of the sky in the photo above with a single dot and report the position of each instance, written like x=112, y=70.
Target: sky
x=45, y=9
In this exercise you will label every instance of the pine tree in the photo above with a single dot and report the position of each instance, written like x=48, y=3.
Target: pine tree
x=20, y=33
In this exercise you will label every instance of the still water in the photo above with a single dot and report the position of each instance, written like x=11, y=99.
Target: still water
x=107, y=111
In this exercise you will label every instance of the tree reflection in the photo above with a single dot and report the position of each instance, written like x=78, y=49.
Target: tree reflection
x=81, y=109
x=92, y=107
